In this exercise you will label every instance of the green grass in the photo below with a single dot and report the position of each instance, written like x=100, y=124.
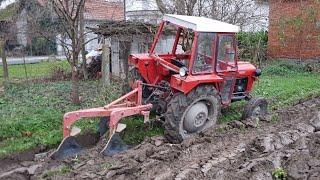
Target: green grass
x=279, y=173
x=283, y=84
x=7, y=13
x=38, y=70
x=31, y=113
x=61, y=170
x=136, y=131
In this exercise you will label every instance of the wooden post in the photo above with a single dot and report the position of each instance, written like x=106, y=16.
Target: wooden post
x=4, y=60
x=105, y=69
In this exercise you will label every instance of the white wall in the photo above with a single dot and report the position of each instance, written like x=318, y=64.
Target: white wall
x=143, y=11
x=22, y=29
x=93, y=44
x=5, y=3
x=138, y=5
x=262, y=10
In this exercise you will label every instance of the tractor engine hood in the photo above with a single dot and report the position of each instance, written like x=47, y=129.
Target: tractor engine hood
x=247, y=69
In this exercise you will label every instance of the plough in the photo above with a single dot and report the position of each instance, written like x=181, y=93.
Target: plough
x=127, y=105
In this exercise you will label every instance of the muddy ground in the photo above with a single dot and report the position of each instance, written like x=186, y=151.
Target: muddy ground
x=288, y=141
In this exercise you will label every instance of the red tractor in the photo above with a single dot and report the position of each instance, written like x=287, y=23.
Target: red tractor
x=186, y=89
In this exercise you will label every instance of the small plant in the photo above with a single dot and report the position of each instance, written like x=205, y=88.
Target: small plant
x=279, y=173
x=275, y=118
x=59, y=171
x=107, y=166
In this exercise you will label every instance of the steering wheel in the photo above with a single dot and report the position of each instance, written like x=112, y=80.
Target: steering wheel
x=205, y=61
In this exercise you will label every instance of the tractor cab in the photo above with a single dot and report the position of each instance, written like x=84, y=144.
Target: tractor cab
x=204, y=51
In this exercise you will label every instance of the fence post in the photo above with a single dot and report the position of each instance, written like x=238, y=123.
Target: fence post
x=105, y=69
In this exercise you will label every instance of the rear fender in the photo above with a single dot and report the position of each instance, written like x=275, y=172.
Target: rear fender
x=186, y=84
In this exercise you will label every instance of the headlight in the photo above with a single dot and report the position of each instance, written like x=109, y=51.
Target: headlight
x=183, y=71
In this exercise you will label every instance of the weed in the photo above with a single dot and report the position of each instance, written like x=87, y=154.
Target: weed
x=243, y=128
x=279, y=173
x=64, y=169
x=275, y=118
x=107, y=166
x=136, y=131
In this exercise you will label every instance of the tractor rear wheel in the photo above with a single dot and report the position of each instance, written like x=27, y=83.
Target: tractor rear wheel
x=192, y=113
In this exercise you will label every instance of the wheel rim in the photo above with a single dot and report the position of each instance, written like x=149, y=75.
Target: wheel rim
x=196, y=117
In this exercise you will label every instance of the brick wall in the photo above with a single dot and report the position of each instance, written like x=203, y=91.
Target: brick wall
x=104, y=10
x=294, y=29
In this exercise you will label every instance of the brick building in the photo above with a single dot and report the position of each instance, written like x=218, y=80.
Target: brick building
x=294, y=29
x=97, y=12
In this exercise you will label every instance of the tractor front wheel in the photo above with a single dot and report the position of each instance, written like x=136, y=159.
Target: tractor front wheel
x=256, y=108
x=192, y=113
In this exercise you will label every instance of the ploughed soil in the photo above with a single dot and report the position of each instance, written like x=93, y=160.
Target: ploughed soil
x=288, y=141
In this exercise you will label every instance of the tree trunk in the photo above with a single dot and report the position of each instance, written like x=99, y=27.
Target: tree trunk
x=75, y=83
x=4, y=61
x=125, y=47
x=84, y=63
x=83, y=53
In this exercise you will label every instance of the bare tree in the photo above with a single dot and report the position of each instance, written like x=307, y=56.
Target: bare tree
x=7, y=32
x=69, y=14
x=240, y=12
x=3, y=42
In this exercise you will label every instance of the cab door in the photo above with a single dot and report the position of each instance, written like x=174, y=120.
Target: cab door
x=226, y=65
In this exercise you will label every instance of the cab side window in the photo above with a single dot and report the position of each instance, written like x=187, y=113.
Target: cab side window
x=226, y=52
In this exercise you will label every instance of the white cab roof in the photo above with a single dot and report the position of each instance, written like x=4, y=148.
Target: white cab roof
x=201, y=24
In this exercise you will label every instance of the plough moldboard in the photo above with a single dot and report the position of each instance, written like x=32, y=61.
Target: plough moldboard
x=111, y=115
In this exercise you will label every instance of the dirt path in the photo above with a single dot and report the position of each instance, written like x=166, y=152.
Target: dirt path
x=290, y=141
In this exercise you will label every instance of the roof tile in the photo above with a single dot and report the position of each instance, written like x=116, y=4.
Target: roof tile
x=104, y=10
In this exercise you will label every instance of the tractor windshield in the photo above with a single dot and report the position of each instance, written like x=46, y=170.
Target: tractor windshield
x=203, y=62
x=172, y=40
